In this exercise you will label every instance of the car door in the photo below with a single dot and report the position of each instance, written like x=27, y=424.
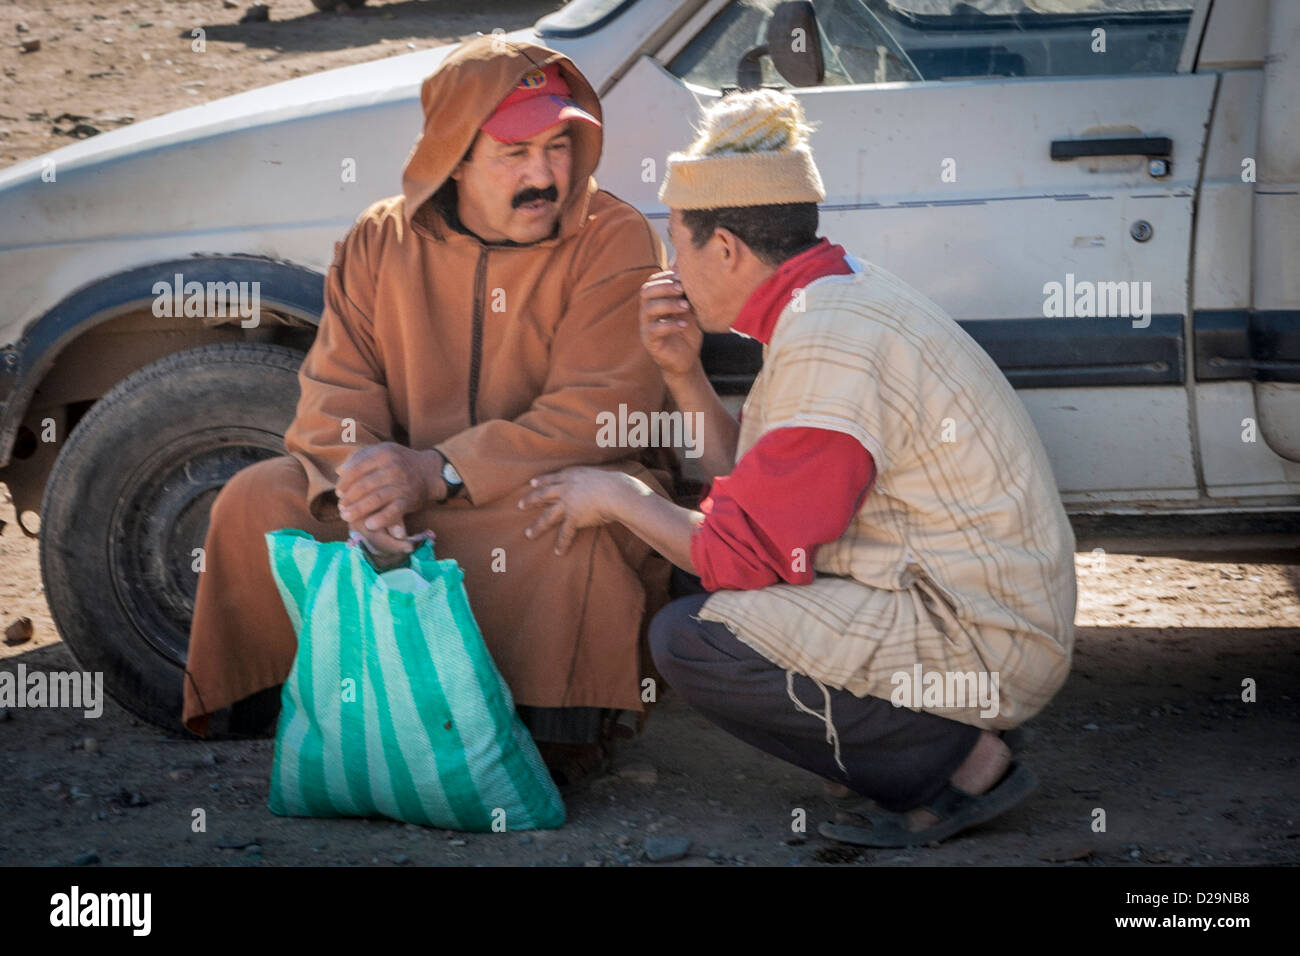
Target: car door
x=1245, y=285
x=1032, y=171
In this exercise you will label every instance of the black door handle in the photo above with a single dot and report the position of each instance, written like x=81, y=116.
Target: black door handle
x=1153, y=146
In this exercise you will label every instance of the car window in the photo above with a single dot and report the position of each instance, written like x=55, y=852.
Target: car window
x=885, y=41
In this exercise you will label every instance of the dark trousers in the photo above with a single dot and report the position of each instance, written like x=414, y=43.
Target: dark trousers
x=565, y=725
x=257, y=716
x=898, y=757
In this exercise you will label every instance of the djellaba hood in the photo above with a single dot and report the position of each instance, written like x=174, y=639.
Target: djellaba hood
x=465, y=90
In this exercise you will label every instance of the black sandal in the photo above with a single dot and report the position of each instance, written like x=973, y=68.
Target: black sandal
x=957, y=811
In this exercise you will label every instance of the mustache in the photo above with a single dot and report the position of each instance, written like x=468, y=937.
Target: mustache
x=550, y=194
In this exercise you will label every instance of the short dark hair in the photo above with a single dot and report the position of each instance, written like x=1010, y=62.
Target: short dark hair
x=774, y=232
x=445, y=197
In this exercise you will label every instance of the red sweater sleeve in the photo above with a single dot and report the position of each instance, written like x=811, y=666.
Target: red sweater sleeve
x=795, y=489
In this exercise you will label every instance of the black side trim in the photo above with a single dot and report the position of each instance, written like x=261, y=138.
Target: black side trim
x=1032, y=353
x=1241, y=344
x=1075, y=353
x=284, y=287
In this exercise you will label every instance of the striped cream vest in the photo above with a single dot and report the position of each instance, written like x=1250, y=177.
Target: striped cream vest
x=960, y=562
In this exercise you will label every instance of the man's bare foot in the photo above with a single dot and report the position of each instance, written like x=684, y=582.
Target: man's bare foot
x=836, y=791
x=981, y=769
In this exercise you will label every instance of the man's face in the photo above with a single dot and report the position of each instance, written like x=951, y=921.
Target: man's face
x=515, y=190
x=703, y=281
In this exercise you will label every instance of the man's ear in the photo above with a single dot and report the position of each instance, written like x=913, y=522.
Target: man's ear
x=729, y=248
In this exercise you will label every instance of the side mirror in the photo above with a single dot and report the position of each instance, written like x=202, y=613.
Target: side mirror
x=793, y=43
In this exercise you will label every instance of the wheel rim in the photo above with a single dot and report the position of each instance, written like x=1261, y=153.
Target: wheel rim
x=162, y=516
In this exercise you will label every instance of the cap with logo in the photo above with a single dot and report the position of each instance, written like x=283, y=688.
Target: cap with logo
x=539, y=102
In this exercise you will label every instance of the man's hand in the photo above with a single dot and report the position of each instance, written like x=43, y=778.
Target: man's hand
x=670, y=331
x=576, y=498
x=380, y=484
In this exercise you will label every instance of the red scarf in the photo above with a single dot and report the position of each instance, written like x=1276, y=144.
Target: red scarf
x=758, y=315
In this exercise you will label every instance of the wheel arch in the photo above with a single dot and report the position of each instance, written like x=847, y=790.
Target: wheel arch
x=78, y=328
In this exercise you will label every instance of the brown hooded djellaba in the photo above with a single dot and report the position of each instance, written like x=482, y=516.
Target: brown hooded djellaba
x=501, y=356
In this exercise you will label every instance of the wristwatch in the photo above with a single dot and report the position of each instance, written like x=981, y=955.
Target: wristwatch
x=452, y=478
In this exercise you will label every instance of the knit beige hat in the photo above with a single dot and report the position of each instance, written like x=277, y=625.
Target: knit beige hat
x=752, y=150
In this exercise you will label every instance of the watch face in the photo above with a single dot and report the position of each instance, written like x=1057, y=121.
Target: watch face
x=450, y=475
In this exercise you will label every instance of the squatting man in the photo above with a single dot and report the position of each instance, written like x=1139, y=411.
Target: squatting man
x=475, y=326
x=843, y=541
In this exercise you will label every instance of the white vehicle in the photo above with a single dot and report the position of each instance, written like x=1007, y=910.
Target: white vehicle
x=1105, y=192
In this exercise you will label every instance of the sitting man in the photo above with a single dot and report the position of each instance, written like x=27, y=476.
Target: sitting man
x=883, y=534
x=475, y=328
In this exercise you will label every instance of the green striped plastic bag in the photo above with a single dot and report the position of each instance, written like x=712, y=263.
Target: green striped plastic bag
x=394, y=706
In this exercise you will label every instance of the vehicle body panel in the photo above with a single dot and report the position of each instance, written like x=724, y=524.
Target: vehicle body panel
x=1133, y=414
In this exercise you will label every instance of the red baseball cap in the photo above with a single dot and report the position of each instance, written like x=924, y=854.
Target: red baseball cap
x=539, y=102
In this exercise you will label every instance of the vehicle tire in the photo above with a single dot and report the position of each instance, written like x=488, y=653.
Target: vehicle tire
x=128, y=501
x=329, y=6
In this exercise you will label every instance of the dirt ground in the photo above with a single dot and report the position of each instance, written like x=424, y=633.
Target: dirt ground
x=106, y=63
x=1151, y=726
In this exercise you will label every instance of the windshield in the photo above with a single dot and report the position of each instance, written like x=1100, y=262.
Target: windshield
x=581, y=17
x=892, y=41
x=958, y=14
x=949, y=8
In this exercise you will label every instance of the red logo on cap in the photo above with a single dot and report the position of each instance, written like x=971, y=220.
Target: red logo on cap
x=533, y=80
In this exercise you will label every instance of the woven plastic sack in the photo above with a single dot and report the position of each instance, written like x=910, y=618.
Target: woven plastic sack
x=393, y=706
